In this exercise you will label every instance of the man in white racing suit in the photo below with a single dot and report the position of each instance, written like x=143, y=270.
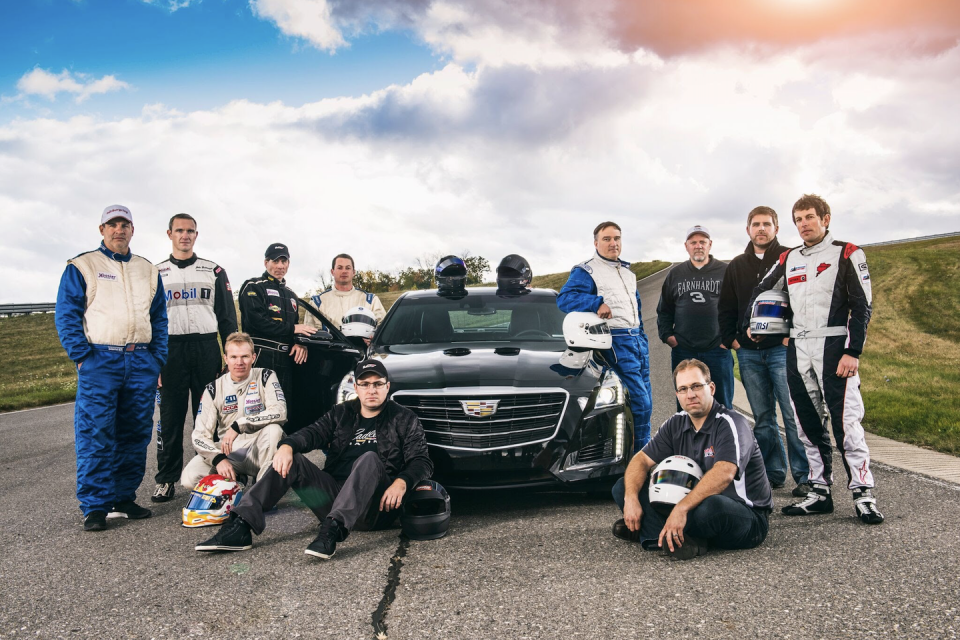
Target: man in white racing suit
x=342, y=296
x=828, y=285
x=238, y=426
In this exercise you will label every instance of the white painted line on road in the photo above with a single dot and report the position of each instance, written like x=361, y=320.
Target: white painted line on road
x=49, y=406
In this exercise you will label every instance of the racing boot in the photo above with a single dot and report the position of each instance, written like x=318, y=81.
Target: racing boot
x=233, y=536
x=865, y=506
x=129, y=509
x=95, y=521
x=818, y=500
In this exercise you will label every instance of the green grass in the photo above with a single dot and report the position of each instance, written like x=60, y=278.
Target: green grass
x=36, y=369
x=556, y=281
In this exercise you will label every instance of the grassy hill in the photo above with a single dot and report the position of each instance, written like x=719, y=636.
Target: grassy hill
x=910, y=371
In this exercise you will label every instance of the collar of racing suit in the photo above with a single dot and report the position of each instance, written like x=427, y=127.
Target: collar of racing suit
x=266, y=275
x=119, y=257
x=613, y=263
x=820, y=246
x=183, y=264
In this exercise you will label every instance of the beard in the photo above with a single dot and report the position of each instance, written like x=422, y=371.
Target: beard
x=763, y=246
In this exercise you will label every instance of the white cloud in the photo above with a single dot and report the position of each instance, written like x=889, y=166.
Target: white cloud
x=171, y=5
x=47, y=84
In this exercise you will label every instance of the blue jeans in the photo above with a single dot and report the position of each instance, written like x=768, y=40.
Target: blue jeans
x=721, y=521
x=720, y=363
x=764, y=376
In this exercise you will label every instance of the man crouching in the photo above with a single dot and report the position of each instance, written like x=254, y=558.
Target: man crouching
x=376, y=449
x=239, y=420
x=728, y=507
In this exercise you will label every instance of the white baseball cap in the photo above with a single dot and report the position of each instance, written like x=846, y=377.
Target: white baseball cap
x=116, y=211
x=697, y=228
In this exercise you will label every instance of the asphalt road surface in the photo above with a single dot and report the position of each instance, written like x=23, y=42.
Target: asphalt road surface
x=513, y=566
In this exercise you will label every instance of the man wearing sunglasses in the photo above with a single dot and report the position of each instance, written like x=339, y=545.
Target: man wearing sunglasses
x=376, y=450
x=728, y=508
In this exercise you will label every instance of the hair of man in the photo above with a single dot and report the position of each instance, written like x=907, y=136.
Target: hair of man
x=812, y=201
x=180, y=216
x=604, y=225
x=691, y=363
x=764, y=211
x=333, y=263
x=239, y=337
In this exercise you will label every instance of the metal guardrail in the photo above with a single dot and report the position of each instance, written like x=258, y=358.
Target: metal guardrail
x=934, y=237
x=27, y=309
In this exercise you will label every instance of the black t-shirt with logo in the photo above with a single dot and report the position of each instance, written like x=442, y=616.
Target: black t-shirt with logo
x=364, y=440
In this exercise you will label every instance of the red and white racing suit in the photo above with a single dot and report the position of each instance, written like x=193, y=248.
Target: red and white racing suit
x=828, y=285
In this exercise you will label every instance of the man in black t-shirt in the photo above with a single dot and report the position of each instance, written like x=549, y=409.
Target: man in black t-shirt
x=376, y=450
x=728, y=507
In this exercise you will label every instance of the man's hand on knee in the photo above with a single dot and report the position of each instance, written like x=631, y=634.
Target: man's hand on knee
x=393, y=496
x=283, y=460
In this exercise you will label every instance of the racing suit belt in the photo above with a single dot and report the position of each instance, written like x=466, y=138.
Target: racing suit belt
x=634, y=331
x=130, y=346
x=822, y=332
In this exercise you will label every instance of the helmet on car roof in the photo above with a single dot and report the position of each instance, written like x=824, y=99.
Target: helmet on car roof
x=514, y=273
x=451, y=273
x=425, y=514
x=211, y=501
x=359, y=322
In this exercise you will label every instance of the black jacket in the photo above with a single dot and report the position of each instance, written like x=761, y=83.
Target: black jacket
x=268, y=309
x=744, y=273
x=688, y=305
x=401, y=444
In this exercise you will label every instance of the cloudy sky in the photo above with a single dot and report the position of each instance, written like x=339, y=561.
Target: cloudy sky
x=392, y=129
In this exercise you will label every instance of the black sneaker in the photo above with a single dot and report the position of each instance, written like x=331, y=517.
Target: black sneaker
x=325, y=544
x=95, y=521
x=776, y=485
x=691, y=548
x=865, y=506
x=622, y=531
x=163, y=492
x=129, y=509
x=233, y=536
x=802, y=489
x=818, y=500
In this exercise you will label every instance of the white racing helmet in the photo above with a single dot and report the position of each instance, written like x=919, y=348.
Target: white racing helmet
x=211, y=501
x=770, y=314
x=583, y=330
x=671, y=481
x=359, y=322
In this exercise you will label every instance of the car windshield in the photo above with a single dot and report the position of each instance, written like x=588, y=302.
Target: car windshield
x=476, y=317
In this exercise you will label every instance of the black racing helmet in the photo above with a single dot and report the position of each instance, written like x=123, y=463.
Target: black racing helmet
x=425, y=514
x=514, y=273
x=451, y=274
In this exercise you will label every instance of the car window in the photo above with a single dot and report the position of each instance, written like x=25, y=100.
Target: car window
x=476, y=317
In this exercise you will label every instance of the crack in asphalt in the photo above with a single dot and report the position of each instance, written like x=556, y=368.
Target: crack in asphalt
x=379, y=617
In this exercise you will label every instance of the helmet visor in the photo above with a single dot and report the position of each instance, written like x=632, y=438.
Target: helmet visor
x=770, y=310
x=674, y=477
x=359, y=317
x=598, y=329
x=204, y=502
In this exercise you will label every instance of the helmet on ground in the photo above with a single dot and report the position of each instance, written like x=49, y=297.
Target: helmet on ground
x=770, y=315
x=451, y=274
x=584, y=330
x=514, y=273
x=359, y=322
x=425, y=514
x=211, y=501
x=671, y=481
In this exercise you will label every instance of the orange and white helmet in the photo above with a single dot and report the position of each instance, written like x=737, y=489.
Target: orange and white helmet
x=211, y=501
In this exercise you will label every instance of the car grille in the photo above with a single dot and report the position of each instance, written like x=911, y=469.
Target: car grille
x=521, y=418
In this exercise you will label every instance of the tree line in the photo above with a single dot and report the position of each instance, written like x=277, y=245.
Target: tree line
x=417, y=276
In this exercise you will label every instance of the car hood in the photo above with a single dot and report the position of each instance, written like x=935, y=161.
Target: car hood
x=485, y=367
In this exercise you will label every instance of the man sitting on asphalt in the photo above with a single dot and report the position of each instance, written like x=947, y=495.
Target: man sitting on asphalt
x=245, y=410
x=376, y=450
x=729, y=506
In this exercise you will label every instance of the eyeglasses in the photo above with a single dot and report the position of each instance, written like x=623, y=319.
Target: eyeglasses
x=695, y=387
x=376, y=385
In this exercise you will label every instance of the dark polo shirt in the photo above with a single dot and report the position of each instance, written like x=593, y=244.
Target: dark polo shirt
x=725, y=435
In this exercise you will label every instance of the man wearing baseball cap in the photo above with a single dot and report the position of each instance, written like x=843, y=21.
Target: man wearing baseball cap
x=687, y=316
x=269, y=313
x=376, y=450
x=111, y=317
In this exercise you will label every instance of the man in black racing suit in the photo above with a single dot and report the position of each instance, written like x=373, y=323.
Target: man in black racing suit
x=828, y=285
x=269, y=312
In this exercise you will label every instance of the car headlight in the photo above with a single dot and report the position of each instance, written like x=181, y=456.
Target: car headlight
x=610, y=393
x=346, y=391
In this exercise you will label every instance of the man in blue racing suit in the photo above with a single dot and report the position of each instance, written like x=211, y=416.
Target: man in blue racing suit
x=112, y=320
x=605, y=285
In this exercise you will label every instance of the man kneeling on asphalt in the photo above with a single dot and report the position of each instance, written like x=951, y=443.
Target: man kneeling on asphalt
x=376, y=449
x=729, y=507
x=245, y=411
